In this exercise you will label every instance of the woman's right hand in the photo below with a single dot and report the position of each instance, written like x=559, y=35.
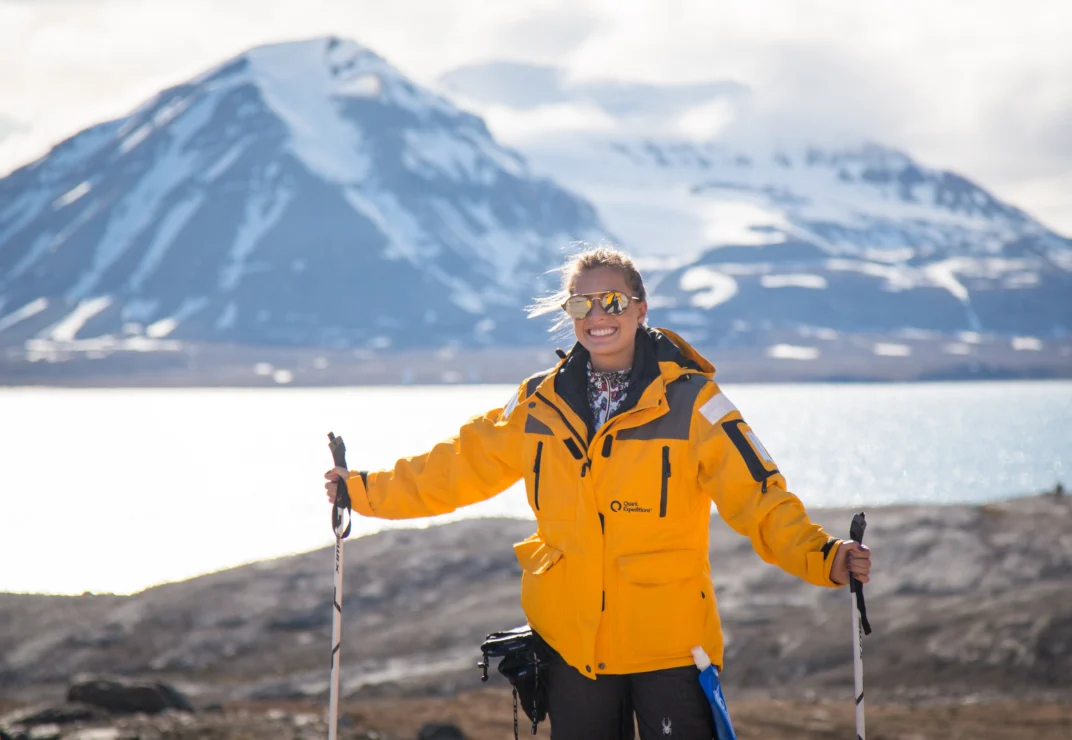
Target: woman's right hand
x=333, y=476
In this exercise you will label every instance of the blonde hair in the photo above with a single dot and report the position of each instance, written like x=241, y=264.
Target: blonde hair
x=589, y=257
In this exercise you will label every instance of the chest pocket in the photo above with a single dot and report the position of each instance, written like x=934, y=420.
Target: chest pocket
x=550, y=484
x=657, y=447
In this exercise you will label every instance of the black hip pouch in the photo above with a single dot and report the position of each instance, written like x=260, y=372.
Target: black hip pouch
x=521, y=665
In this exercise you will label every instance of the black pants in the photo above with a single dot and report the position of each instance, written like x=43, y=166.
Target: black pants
x=668, y=704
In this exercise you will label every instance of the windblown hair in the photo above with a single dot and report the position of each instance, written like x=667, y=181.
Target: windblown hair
x=590, y=256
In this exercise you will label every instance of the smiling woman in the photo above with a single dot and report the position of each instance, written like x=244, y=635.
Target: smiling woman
x=622, y=447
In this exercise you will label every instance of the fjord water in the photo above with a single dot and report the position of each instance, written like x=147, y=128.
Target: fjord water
x=119, y=489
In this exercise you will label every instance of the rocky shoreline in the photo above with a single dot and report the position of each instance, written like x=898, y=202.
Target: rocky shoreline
x=971, y=606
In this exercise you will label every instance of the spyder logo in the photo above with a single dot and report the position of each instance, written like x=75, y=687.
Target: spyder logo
x=666, y=726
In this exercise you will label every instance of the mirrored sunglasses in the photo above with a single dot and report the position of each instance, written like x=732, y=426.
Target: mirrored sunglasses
x=613, y=302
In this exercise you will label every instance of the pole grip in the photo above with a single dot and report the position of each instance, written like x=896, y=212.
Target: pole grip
x=856, y=534
x=340, y=512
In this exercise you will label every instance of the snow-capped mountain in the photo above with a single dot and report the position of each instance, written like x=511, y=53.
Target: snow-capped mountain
x=300, y=193
x=742, y=236
x=853, y=240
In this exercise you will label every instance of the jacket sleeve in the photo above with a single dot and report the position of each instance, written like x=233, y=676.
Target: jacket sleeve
x=482, y=460
x=737, y=472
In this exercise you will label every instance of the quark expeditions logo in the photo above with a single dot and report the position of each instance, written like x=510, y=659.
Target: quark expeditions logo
x=629, y=507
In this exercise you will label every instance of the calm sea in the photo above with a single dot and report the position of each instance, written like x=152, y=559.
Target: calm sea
x=116, y=490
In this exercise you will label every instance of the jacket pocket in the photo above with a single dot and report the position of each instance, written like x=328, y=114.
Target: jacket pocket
x=543, y=584
x=664, y=491
x=663, y=603
x=536, y=476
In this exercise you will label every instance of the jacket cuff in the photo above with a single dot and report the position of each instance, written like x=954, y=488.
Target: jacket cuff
x=828, y=565
x=357, y=485
x=820, y=562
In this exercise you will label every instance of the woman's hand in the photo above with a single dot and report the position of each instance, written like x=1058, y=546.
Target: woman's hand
x=332, y=486
x=851, y=557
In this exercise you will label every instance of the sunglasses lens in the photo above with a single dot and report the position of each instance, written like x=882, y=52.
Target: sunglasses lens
x=577, y=306
x=614, y=302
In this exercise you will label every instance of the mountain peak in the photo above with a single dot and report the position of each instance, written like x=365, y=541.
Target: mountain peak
x=218, y=209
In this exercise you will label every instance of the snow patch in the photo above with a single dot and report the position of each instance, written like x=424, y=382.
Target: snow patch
x=435, y=151
x=957, y=348
x=818, y=332
x=224, y=163
x=132, y=141
x=943, y=274
x=298, y=86
x=816, y=282
x=171, y=111
x=32, y=308
x=69, y=326
x=890, y=255
x=367, y=85
x=263, y=210
x=161, y=328
x=717, y=286
x=792, y=352
x=71, y=195
x=164, y=327
x=1026, y=344
x=889, y=349
x=740, y=222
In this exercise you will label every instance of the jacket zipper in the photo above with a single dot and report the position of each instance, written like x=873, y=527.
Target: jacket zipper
x=536, y=470
x=582, y=447
x=666, y=482
x=579, y=438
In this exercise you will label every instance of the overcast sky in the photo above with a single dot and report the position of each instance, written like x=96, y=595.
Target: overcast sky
x=983, y=87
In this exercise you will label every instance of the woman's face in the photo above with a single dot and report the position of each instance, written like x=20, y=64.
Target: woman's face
x=609, y=339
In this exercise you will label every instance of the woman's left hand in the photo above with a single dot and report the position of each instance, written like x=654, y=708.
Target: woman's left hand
x=851, y=557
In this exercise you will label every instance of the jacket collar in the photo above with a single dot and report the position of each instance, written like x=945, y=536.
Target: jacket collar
x=659, y=353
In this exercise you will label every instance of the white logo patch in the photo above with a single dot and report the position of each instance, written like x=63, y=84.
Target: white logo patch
x=510, y=406
x=717, y=408
x=666, y=726
x=759, y=446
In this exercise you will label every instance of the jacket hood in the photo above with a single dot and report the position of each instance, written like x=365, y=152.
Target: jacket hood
x=671, y=349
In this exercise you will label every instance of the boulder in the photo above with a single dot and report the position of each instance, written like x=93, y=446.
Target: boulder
x=128, y=697
x=436, y=731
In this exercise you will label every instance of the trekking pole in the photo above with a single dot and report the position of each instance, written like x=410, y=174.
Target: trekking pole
x=860, y=626
x=341, y=525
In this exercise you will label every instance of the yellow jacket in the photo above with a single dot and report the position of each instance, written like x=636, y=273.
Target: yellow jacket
x=617, y=576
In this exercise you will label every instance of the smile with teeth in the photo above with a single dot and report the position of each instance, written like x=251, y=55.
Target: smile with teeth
x=604, y=331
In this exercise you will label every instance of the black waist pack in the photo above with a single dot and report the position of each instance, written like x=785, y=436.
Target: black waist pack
x=521, y=665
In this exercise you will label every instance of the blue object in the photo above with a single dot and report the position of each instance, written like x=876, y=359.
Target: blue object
x=712, y=689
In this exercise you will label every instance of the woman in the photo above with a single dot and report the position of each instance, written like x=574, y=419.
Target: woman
x=623, y=446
